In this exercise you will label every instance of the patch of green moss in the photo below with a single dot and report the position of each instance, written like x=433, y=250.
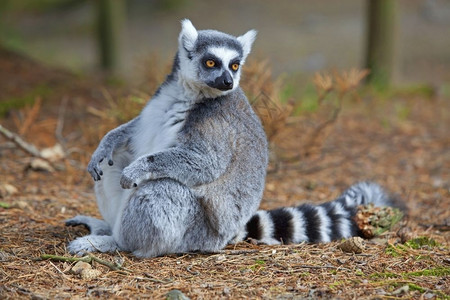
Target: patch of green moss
x=393, y=251
x=422, y=257
x=384, y=275
x=4, y=204
x=337, y=284
x=441, y=271
x=420, y=242
x=415, y=287
x=259, y=264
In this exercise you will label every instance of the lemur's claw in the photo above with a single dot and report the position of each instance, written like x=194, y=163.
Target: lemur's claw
x=95, y=172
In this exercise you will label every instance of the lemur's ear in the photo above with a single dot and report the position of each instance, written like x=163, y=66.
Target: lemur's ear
x=246, y=41
x=188, y=35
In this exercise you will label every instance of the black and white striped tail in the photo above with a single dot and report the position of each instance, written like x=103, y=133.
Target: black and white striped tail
x=315, y=223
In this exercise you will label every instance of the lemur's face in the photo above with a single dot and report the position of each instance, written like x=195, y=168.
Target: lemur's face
x=210, y=60
x=219, y=68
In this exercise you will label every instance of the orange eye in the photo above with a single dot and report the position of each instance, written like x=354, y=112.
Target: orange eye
x=210, y=63
x=235, y=67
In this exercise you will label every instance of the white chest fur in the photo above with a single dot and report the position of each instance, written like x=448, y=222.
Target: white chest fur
x=160, y=122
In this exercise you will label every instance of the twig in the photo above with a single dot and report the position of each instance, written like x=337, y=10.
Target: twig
x=188, y=268
x=59, y=271
x=110, y=265
x=152, y=278
x=315, y=267
x=27, y=147
x=301, y=267
x=16, y=139
x=87, y=259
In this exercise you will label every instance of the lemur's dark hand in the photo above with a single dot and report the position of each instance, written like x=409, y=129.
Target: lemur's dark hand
x=94, y=165
x=136, y=172
x=131, y=177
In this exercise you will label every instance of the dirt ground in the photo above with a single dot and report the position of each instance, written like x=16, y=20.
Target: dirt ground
x=400, y=140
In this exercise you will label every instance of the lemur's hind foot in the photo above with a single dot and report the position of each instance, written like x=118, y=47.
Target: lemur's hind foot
x=92, y=243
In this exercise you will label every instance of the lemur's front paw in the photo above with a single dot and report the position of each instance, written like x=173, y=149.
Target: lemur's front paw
x=130, y=178
x=127, y=182
x=94, y=165
x=137, y=172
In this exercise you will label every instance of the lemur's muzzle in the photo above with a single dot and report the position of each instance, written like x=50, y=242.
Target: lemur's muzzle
x=224, y=82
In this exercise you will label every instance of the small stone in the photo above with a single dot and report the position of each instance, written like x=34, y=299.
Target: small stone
x=226, y=291
x=352, y=245
x=176, y=295
x=38, y=164
x=7, y=189
x=20, y=204
x=88, y=274
x=221, y=257
x=380, y=292
x=53, y=153
x=80, y=266
x=119, y=261
x=402, y=290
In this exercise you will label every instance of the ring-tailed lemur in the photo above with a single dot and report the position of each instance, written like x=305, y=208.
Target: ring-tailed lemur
x=188, y=173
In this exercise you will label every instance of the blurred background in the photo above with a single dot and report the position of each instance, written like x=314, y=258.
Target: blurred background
x=296, y=37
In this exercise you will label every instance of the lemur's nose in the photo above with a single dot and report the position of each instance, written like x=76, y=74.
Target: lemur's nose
x=228, y=82
x=224, y=82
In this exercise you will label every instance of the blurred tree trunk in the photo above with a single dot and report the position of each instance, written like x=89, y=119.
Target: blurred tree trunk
x=381, y=28
x=110, y=20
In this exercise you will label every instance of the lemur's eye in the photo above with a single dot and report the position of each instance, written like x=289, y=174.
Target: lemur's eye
x=210, y=63
x=235, y=66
